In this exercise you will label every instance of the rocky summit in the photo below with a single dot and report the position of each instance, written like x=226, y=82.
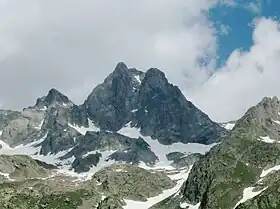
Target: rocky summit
x=130, y=117
x=240, y=172
x=137, y=142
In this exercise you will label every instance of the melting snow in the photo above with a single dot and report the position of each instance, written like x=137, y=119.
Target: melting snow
x=229, y=126
x=266, y=139
x=40, y=125
x=103, y=162
x=267, y=171
x=189, y=206
x=32, y=149
x=248, y=194
x=137, y=77
x=44, y=108
x=130, y=204
x=161, y=150
x=276, y=121
x=119, y=170
x=7, y=176
x=83, y=130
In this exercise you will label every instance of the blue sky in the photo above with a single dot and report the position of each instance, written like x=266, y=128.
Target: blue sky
x=237, y=20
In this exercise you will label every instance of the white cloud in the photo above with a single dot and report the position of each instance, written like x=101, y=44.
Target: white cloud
x=73, y=45
x=247, y=76
x=255, y=7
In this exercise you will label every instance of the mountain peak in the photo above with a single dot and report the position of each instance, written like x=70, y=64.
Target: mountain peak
x=53, y=97
x=155, y=72
x=121, y=68
x=269, y=105
x=269, y=100
x=154, y=78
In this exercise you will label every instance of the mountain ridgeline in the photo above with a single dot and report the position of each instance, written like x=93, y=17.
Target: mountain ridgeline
x=127, y=97
x=137, y=142
x=152, y=104
x=132, y=118
x=243, y=170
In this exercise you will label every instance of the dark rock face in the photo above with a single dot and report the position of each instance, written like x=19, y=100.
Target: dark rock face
x=59, y=136
x=174, y=156
x=81, y=164
x=166, y=115
x=53, y=97
x=180, y=160
x=110, y=104
x=145, y=100
x=124, y=149
x=151, y=103
x=138, y=152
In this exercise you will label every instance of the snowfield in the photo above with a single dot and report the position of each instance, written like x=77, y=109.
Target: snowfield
x=33, y=149
x=161, y=150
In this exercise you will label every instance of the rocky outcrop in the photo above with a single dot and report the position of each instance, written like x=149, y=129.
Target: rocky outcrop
x=151, y=103
x=181, y=160
x=217, y=180
x=111, y=103
x=21, y=167
x=147, y=101
x=120, y=179
x=165, y=114
x=116, y=146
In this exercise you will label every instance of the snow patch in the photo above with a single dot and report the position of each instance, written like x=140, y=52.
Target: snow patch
x=7, y=176
x=130, y=204
x=137, y=77
x=181, y=175
x=83, y=130
x=276, y=121
x=248, y=194
x=33, y=149
x=229, y=126
x=161, y=150
x=103, y=162
x=267, y=139
x=44, y=108
x=39, y=127
x=189, y=206
x=267, y=171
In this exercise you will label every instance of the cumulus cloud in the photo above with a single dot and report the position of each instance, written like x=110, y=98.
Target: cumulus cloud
x=246, y=77
x=73, y=45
